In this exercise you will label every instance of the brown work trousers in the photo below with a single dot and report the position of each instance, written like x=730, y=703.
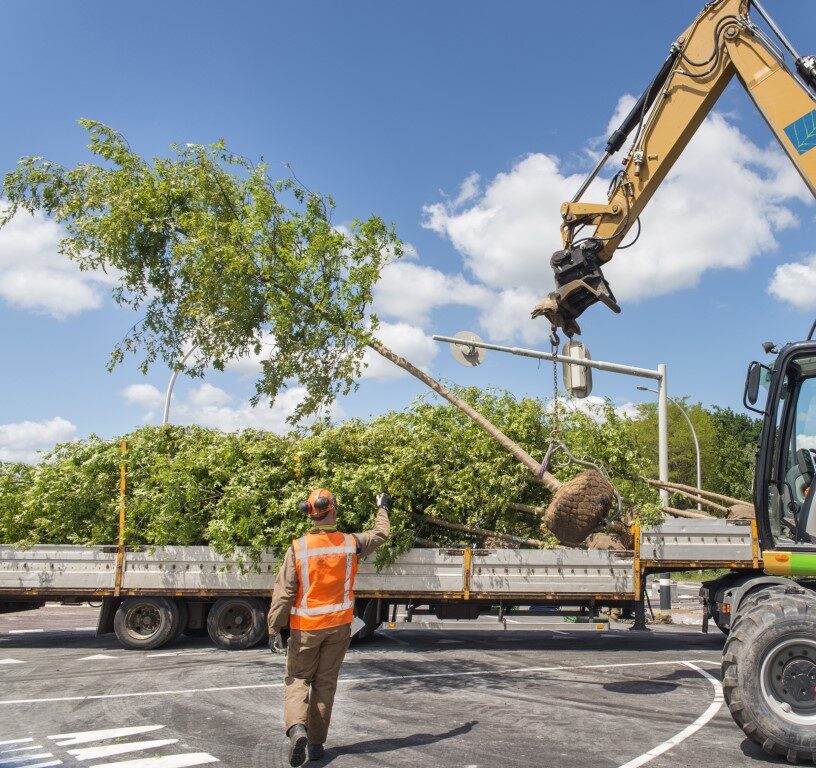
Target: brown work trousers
x=313, y=660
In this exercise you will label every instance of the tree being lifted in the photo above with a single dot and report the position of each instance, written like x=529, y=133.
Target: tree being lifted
x=216, y=254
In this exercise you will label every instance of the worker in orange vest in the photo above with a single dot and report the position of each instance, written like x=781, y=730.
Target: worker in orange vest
x=314, y=595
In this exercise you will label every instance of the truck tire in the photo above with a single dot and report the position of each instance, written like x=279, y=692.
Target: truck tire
x=181, y=624
x=367, y=611
x=236, y=623
x=716, y=617
x=769, y=672
x=145, y=623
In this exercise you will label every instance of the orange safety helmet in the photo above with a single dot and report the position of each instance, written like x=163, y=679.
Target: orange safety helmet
x=320, y=501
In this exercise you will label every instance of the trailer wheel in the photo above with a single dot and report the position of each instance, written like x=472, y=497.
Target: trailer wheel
x=181, y=624
x=236, y=623
x=366, y=609
x=769, y=672
x=144, y=623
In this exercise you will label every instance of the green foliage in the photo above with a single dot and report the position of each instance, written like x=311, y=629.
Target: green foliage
x=214, y=253
x=736, y=439
x=189, y=485
x=728, y=443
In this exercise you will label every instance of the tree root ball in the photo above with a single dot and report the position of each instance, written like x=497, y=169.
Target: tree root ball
x=741, y=512
x=578, y=506
x=605, y=541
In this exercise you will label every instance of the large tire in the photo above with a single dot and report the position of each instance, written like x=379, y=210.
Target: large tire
x=145, y=623
x=236, y=623
x=367, y=611
x=769, y=672
x=181, y=624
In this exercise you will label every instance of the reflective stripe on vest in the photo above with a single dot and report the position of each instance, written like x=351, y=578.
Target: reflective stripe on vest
x=326, y=566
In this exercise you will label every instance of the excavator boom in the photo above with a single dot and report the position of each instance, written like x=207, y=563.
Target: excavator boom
x=722, y=42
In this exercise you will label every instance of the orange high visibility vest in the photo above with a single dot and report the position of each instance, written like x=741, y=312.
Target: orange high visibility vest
x=326, y=565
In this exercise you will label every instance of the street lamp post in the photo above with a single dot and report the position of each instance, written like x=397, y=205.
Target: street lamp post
x=169, y=394
x=693, y=435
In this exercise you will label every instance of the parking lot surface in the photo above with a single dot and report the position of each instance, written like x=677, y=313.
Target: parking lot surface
x=541, y=695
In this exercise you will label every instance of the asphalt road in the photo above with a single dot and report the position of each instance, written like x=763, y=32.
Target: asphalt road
x=565, y=695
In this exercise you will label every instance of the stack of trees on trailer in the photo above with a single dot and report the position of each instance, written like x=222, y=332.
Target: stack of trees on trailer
x=190, y=485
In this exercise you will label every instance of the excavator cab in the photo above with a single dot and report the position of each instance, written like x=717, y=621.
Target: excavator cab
x=784, y=489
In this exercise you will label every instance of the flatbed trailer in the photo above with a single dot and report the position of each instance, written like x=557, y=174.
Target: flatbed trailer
x=151, y=595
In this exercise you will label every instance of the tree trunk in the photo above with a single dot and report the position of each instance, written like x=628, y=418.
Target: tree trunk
x=550, y=481
x=539, y=511
x=692, y=489
x=702, y=500
x=478, y=531
x=693, y=514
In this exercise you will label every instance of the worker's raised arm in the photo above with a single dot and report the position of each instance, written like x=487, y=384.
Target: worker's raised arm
x=368, y=541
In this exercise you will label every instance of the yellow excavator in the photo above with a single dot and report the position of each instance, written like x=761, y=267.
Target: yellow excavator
x=769, y=614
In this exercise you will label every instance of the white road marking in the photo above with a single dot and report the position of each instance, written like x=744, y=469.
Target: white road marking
x=16, y=741
x=171, y=761
x=191, y=653
x=41, y=765
x=10, y=661
x=690, y=730
x=562, y=634
x=24, y=759
x=91, y=753
x=84, y=629
x=96, y=656
x=21, y=749
x=24, y=631
x=83, y=737
x=343, y=680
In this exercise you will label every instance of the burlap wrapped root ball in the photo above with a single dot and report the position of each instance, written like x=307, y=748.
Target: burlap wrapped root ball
x=741, y=512
x=578, y=506
x=602, y=540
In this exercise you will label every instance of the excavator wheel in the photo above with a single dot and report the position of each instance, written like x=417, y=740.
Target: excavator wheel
x=769, y=672
x=578, y=506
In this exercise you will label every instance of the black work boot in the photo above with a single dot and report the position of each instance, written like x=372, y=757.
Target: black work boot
x=316, y=751
x=297, y=745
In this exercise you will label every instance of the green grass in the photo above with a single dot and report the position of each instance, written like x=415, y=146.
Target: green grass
x=699, y=576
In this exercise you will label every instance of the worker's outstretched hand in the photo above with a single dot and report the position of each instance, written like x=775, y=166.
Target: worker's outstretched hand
x=276, y=643
x=385, y=501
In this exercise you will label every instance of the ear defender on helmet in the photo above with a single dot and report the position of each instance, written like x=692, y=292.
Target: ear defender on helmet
x=320, y=500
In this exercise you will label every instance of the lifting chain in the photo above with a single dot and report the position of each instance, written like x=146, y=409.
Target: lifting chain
x=556, y=438
x=555, y=428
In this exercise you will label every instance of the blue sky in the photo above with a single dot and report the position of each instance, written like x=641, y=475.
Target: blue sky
x=464, y=123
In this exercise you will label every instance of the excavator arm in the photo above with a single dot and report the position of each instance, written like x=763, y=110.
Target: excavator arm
x=722, y=42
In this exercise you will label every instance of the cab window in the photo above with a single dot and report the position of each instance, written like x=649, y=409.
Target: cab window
x=792, y=513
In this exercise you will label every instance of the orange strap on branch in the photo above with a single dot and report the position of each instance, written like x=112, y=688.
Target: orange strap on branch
x=120, y=550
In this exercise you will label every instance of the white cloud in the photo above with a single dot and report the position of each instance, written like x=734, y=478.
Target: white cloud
x=208, y=396
x=508, y=234
x=508, y=317
x=211, y=406
x=593, y=406
x=406, y=340
x=720, y=207
x=35, y=276
x=24, y=440
x=410, y=292
x=147, y=397
x=795, y=283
